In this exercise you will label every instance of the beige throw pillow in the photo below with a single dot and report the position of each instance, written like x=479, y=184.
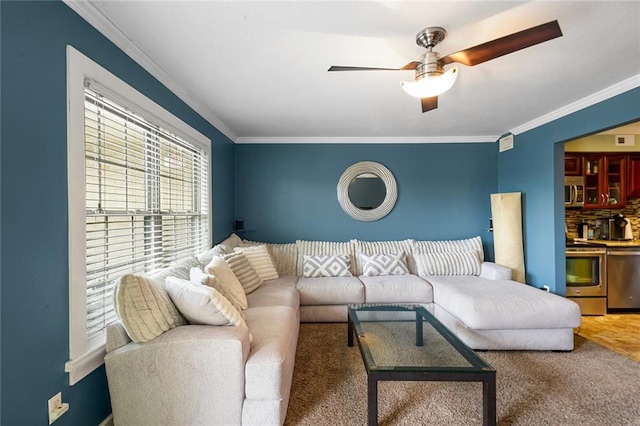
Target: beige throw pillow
x=145, y=309
x=201, y=304
x=219, y=268
x=260, y=259
x=243, y=270
x=198, y=276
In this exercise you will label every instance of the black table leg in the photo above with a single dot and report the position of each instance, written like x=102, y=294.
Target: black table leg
x=372, y=401
x=489, y=401
x=349, y=332
x=419, y=334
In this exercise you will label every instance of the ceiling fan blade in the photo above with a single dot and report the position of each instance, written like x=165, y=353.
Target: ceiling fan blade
x=429, y=103
x=505, y=45
x=410, y=66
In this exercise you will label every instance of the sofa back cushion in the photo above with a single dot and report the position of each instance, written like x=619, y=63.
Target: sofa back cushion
x=382, y=247
x=324, y=248
x=145, y=309
x=462, y=263
x=451, y=246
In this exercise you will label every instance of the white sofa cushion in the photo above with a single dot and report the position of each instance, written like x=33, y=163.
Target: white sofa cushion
x=383, y=264
x=330, y=290
x=396, y=289
x=201, y=304
x=462, y=263
x=145, y=309
x=230, y=243
x=260, y=259
x=450, y=246
x=269, y=367
x=219, y=268
x=280, y=292
x=242, y=269
x=379, y=247
x=484, y=304
x=338, y=265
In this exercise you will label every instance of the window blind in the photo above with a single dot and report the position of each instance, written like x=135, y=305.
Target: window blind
x=146, y=201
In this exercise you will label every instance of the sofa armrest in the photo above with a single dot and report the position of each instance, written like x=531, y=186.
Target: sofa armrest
x=493, y=271
x=192, y=374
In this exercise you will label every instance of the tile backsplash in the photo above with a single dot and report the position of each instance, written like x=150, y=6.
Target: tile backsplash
x=631, y=212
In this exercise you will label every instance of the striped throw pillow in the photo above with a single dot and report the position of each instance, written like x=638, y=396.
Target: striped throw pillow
x=242, y=269
x=259, y=258
x=450, y=246
x=327, y=266
x=383, y=264
x=461, y=263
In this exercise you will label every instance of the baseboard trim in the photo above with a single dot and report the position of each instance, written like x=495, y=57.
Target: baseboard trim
x=108, y=421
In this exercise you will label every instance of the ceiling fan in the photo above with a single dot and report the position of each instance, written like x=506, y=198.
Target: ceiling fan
x=431, y=80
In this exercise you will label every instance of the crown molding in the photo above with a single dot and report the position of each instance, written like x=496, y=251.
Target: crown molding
x=602, y=95
x=90, y=13
x=366, y=140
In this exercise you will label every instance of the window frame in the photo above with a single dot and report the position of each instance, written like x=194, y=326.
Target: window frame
x=82, y=359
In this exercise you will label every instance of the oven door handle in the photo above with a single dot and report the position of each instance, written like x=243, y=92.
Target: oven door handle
x=587, y=253
x=623, y=253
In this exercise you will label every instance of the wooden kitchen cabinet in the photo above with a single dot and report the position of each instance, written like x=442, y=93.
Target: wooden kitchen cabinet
x=572, y=165
x=633, y=176
x=605, y=181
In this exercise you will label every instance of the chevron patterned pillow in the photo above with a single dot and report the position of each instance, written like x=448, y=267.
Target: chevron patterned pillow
x=327, y=266
x=383, y=264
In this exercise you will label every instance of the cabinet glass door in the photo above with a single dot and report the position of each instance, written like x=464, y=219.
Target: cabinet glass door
x=594, y=196
x=615, y=180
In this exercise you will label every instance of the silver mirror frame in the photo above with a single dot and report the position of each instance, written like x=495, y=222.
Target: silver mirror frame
x=389, y=182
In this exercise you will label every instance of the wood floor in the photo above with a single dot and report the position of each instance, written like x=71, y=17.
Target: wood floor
x=619, y=332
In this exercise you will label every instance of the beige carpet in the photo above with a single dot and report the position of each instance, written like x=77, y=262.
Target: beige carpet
x=589, y=386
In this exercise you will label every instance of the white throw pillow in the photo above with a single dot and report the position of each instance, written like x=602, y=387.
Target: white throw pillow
x=243, y=270
x=259, y=258
x=463, y=263
x=145, y=309
x=198, y=276
x=223, y=272
x=327, y=266
x=201, y=304
x=384, y=264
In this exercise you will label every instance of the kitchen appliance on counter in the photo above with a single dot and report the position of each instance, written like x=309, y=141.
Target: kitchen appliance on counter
x=587, y=278
x=573, y=191
x=623, y=278
x=620, y=228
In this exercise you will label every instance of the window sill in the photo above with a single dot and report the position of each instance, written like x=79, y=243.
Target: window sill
x=85, y=365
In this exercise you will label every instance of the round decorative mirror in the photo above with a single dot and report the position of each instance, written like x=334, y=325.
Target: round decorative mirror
x=367, y=191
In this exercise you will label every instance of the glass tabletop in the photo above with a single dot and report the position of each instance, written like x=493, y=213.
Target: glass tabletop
x=409, y=338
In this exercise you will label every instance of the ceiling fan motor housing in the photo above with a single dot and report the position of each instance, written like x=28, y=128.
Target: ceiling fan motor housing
x=429, y=66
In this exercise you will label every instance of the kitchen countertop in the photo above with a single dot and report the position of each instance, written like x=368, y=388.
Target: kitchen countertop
x=578, y=242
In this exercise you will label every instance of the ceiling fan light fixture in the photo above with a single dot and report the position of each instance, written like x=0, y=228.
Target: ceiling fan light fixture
x=431, y=85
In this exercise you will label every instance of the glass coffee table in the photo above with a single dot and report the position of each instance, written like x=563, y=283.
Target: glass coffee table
x=416, y=347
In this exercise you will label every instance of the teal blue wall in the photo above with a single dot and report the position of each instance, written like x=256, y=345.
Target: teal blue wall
x=286, y=192
x=34, y=304
x=535, y=167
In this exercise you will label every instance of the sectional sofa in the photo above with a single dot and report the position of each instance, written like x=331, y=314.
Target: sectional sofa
x=187, y=373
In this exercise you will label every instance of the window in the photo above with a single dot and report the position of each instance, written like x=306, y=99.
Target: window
x=138, y=198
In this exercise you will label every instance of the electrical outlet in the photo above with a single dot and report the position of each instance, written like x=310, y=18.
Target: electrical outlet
x=545, y=288
x=56, y=407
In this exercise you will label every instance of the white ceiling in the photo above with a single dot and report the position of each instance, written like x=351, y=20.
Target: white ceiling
x=257, y=70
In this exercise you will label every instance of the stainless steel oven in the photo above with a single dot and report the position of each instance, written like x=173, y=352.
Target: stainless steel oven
x=587, y=279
